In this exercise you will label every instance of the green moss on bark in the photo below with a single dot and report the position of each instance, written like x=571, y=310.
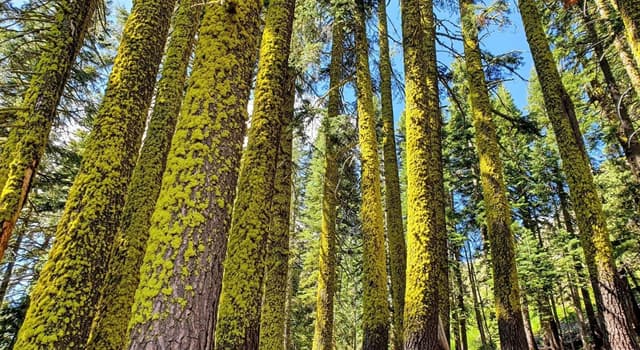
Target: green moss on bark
x=64, y=298
x=497, y=208
x=594, y=235
x=426, y=241
x=29, y=135
x=375, y=320
x=323, y=329
x=108, y=329
x=240, y=299
x=180, y=277
x=393, y=204
x=273, y=317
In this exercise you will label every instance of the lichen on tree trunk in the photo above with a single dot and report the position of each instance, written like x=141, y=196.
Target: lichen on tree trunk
x=323, y=329
x=109, y=330
x=181, y=273
x=426, y=241
x=28, y=138
x=594, y=234
x=63, y=300
x=241, y=295
x=375, y=321
x=395, y=231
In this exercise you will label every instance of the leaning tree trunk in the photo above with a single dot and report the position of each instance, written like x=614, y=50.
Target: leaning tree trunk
x=587, y=204
x=180, y=277
x=70, y=282
x=630, y=13
x=241, y=295
x=426, y=241
x=498, y=212
x=323, y=330
x=109, y=329
x=395, y=232
x=374, y=279
x=29, y=135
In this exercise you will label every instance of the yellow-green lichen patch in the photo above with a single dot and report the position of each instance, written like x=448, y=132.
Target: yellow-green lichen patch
x=181, y=271
x=22, y=151
x=239, y=313
x=71, y=279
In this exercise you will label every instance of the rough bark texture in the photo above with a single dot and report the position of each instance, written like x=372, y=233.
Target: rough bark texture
x=273, y=317
x=64, y=298
x=630, y=13
x=393, y=205
x=29, y=135
x=587, y=204
x=108, y=330
x=426, y=244
x=241, y=295
x=323, y=329
x=375, y=321
x=181, y=273
x=526, y=318
x=497, y=208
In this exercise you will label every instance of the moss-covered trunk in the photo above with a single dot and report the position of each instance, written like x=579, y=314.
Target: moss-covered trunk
x=241, y=295
x=181, y=273
x=630, y=13
x=63, y=300
x=393, y=205
x=273, y=317
x=631, y=66
x=114, y=307
x=586, y=201
x=497, y=208
x=29, y=135
x=426, y=241
x=323, y=329
x=375, y=321
x=611, y=99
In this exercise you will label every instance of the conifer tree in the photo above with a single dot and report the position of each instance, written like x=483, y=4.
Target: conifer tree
x=273, y=316
x=29, y=136
x=395, y=231
x=375, y=306
x=630, y=13
x=108, y=329
x=181, y=273
x=426, y=248
x=63, y=300
x=587, y=204
x=323, y=330
x=241, y=295
x=497, y=208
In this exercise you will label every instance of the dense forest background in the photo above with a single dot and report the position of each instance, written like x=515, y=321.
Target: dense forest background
x=344, y=174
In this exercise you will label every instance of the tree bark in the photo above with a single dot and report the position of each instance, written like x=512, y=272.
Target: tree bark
x=72, y=277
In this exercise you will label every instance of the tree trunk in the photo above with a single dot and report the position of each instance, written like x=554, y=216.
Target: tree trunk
x=462, y=312
x=181, y=273
x=71, y=280
x=476, y=305
x=630, y=13
x=239, y=313
x=587, y=204
x=376, y=309
x=323, y=331
x=273, y=316
x=395, y=231
x=631, y=67
x=109, y=330
x=8, y=271
x=498, y=212
x=577, y=306
x=29, y=135
x=613, y=103
x=426, y=239
x=526, y=318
